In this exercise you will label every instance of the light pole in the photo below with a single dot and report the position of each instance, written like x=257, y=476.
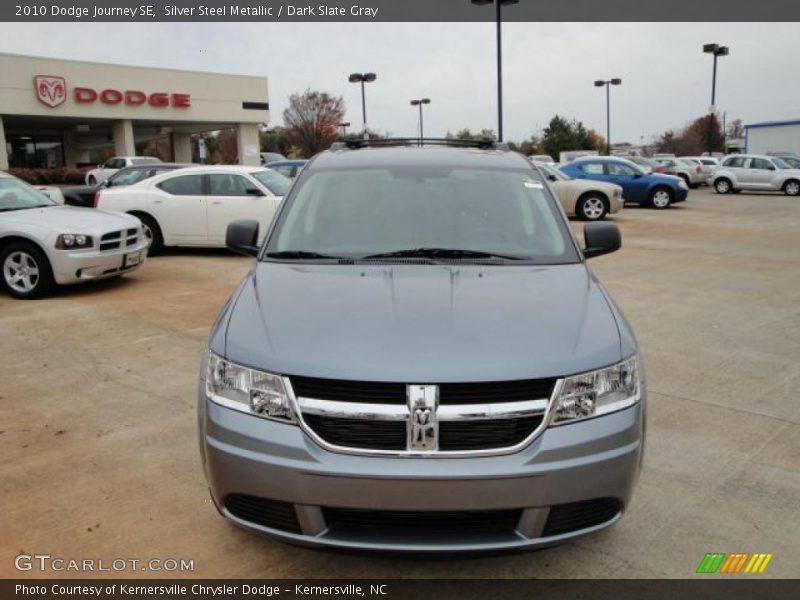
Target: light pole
x=344, y=127
x=363, y=78
x=500, y=4
x=419, y=103
x=717, y=51
x=608, y=83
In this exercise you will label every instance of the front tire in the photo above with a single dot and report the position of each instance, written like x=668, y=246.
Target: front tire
x=26, y=272
x=792, y=187
x=723, y=185
x=661, y=198
x=153, y=234
x=591, y=207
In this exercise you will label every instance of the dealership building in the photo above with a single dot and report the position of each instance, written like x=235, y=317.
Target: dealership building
x=772, y=137
x=53, y=113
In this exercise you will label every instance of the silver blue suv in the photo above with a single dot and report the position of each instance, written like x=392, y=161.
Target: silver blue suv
x=420, y=360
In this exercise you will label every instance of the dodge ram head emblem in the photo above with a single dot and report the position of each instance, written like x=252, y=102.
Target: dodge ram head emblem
x=50, y=90
x=423, y=429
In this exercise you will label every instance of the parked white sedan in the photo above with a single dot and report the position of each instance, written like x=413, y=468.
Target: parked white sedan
x=193, y=206
x=43, y=243
x=114, y=164
x=589, y=200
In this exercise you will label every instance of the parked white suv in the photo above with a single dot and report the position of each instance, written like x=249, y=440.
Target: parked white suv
x=755, y=172
x=112, y=165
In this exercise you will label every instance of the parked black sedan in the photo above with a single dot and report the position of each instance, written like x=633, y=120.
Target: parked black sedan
x=84, y=195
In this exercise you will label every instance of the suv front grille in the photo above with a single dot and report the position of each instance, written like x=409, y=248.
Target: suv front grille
x=453, y=417
x=486, y=434
x=454, y=436
x=359, y=433
x=395, y=393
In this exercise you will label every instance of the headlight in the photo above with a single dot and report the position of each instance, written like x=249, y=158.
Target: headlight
x=247, y=390
x=682, y=184
x=70, y=241
x=598, y=392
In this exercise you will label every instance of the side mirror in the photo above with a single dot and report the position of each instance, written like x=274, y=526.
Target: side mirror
x=601, y=238
x=251, y=191
x=637, y=175
x=242, y=237
x=552, y=177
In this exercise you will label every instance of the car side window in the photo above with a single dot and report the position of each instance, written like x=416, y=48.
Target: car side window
x=761, y=163
x=737, y=162
x=592, y=168
x=115, y=163
x=284, y=170
x=620, y=170
x=224, y=184
x=183, y=185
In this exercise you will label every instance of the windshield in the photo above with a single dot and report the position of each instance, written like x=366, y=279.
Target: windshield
x=145, y=160
x=17, y=195
x=781, y=164
x=275, y=182
x=420, y=211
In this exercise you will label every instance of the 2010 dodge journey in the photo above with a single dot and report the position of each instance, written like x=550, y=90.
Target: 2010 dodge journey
x=421, y=360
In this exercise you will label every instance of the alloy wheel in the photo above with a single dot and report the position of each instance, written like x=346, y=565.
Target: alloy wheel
x=793, y=188
x=21, y=272
x=593, y=208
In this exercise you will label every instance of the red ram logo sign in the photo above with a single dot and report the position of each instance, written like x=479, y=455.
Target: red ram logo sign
x=50, y=90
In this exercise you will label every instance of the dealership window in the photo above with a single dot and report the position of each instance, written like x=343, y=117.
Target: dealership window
x=35, y=152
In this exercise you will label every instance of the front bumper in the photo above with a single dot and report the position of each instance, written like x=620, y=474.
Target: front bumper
x=595, y=459
x=680, y=194
x=74, y=266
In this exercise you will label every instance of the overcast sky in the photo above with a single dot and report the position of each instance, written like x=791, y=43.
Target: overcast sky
x=549, y=68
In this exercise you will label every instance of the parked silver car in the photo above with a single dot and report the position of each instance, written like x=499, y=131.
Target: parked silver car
x=421, y=360
x=692, y=173
x=755, y=172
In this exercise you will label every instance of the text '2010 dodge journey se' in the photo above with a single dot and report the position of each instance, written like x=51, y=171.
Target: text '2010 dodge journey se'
x=420, y=360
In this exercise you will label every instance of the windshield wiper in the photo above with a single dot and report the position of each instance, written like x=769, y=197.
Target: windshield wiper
x=453, y=253
x=301, y=255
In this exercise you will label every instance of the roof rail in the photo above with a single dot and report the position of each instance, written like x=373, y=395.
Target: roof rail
x=482, y=143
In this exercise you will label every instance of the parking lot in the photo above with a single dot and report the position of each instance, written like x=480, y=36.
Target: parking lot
x=98, y=425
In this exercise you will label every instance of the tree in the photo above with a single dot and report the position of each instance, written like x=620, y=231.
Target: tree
x=467, y=134
x=227, y=148
x=312, y=120
x=736, y=129
x=596, y=141
x=275, y=140
x=693, y=139
x=561, y=135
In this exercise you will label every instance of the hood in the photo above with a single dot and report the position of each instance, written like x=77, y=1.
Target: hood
x=418, y=323
x=71, y=219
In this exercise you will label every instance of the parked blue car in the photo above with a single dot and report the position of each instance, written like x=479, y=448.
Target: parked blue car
x=656, y=190
x=289, y=168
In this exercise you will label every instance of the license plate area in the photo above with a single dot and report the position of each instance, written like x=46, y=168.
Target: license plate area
x=131, y=260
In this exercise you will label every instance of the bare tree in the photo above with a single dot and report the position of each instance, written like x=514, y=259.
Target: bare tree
x=312, y=120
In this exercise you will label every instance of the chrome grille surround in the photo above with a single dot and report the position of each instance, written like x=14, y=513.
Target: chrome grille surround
x=539, y=407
